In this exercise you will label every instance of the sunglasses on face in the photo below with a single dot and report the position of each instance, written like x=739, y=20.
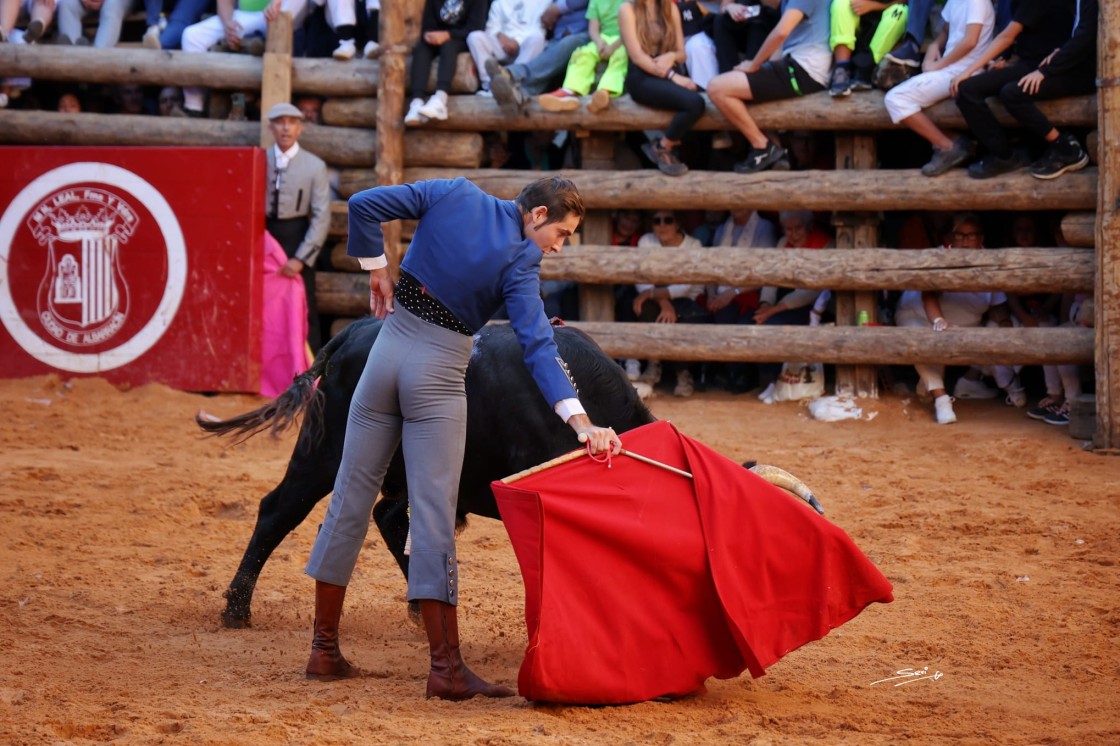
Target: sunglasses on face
x=667, y=220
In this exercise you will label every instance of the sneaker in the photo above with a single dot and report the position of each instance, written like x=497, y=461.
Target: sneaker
x=943, y=160
x=33, y=32
x=943, y=409
x=1064, y=154
x=559, y=100
x=600, y=101
x=1058, y=415
x=841, y=84
x=684, y=385
x=664, y=158
x=371, y=49
x=1045, y=407
x=506, y=90
x=861, y=81
x=633, y=369
x=907, y=53
x=346, y=50
x=484, y=93
x=760, y=160
x=992, y=165
x=151, y=37
x=652, y=373
x=766, y=396
x=414, y=116
x=1016, y=396
x=966, y=388
x=436, y=108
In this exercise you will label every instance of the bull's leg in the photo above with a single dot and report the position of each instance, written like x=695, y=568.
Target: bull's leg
x=280, y=512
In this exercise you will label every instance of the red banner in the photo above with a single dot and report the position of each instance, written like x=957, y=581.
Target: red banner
x=134, y=264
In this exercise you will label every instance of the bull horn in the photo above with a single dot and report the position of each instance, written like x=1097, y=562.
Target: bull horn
x=789, y=483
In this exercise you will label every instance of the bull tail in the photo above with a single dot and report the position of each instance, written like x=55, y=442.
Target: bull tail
x=301, y=399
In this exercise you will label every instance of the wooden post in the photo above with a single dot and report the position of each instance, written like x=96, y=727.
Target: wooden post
x=1107, y=296
x=856, y=231
x=390, y=117
x=596, y=302
x=276, y=75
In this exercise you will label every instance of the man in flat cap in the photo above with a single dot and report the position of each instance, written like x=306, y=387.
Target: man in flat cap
x=297, y=205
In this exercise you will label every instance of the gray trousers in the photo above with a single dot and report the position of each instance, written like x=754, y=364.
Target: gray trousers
x=412, y=393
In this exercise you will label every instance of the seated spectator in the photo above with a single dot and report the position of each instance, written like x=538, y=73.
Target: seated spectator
x=739, y=30
x=111, y=15
x=171, y=101
x=1063, y=382
x=669, y=304
x=232, y=24
x=699, y=48
x=513, y=85
x=167, y=33
x=1047, y=62
x=707, y=231
x=69, y=103
x=605, y=46
x=513, y=35
x=908, y=51
x=965, y=35
x=875, y=27
x=802, y=35
x=787, y=306
x=651, y=32
x=443, y=34
x=941, y=311
x=128, y=98
x=39, y=15
x=311, y=107
x=342, y=20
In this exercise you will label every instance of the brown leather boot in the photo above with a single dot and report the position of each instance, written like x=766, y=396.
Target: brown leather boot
x=450, y=678
x=326, y=662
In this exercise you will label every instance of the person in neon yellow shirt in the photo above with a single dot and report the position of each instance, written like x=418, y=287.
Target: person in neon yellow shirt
x=605, y=45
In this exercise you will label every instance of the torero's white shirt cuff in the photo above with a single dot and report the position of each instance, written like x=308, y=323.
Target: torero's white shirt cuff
x=566, y=408
x=372, y=262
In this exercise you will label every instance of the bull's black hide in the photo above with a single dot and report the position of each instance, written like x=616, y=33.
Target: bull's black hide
x=510, y=427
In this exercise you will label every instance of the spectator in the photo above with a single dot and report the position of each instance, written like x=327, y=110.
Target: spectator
x=669, y=304
x=513, y=85
x=128, y=98
x=1063, y=382
x=908, y=52
x=651, y=32
x=513, y=34
x=168, y=33
x=171, y=101
x=443, y=33
x=605, y=46
x=69, y=103
x=111, y=15
x=297, y=205
x=1047, y=63
x=802, y=35
x=787, y=306
x=40, y=14
x=232, y=25
x=876, y=27
x=699, y=48
x=343, y=18
x=626, y=230
x=311, y=107
x=963, y=38
x=739, y=30
x=941, y=311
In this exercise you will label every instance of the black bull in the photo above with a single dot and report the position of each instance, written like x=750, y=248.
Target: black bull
x=510, y=427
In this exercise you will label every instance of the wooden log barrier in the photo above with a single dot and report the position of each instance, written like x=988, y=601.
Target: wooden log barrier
x=847, y=345
x=1080, y=229
x=804, y=190
x=815, y=112
x=336, y=145
x=223, y=71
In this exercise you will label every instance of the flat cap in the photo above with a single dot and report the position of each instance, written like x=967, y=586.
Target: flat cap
x=284, y=110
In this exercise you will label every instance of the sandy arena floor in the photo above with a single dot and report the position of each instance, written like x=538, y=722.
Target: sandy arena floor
x=121, y=528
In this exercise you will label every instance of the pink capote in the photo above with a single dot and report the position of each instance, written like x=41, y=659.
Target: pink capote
x=284, y=351
x=640, y=583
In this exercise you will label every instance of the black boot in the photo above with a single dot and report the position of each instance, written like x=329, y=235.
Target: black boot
x=326, y=662
x=449, y=677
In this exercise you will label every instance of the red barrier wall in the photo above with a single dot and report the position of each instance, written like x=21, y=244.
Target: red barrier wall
x=134, y=264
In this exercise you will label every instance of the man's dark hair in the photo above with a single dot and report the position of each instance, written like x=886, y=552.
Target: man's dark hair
x=559, y=195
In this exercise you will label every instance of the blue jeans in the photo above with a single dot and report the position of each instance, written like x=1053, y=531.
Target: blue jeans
x=182, y=15
x=918, y=19
x=536, y=75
